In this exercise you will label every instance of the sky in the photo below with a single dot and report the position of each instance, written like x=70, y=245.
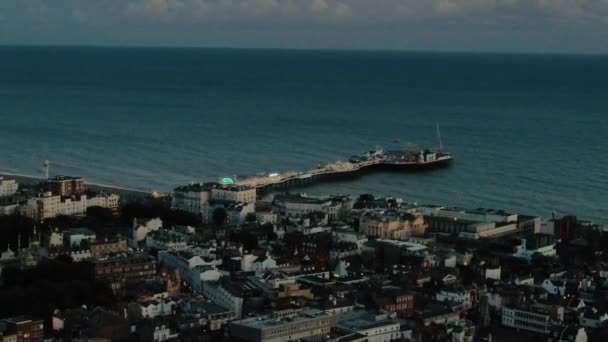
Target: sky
x=537, y=26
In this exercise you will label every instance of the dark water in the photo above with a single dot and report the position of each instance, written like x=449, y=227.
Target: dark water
x=528, y=132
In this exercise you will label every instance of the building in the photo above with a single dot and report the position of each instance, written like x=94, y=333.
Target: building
x=377, y=328
x=165, y=239
x=193, y=269
x=122, y=268
x=287, y=325
x=48, y=205
x=210, y=314
x=141, y=228
x=8, y=187
x=159, y=307
x=537, y=244
x=535, y=317
x=564, y=228
x=234, y=193
x=567, y=333
x=236, y=212
x=391, y=226
x=225, y=297
x=75, y=236
x=65, y=185
x=104, y=200
x=108, y=246
x=192, y=198
x=298, y=206
x=395, y=300
x=22, y=329
x=457, y=295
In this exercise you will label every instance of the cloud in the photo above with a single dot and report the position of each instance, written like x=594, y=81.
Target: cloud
x=343, y=10
x=319, y=5
x=165, y=10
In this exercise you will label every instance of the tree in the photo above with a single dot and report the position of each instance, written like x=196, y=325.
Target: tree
x=219, y=216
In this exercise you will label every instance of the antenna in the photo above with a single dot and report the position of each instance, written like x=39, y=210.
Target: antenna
x=46, y=165
x=439, y=137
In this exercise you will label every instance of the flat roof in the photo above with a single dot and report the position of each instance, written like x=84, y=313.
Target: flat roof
x=270, y=321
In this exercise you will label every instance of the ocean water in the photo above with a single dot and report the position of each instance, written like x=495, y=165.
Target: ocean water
x=529, y=133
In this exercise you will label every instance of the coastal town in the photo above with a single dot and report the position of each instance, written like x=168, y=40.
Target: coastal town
x=225, y=261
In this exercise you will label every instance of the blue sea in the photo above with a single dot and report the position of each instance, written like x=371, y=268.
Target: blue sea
x=529, y=132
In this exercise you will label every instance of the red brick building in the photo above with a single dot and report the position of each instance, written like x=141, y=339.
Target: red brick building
x=65, y=185
x=24, y=328
x=120, y=269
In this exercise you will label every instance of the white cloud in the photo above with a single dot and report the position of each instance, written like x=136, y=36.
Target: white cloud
x=343, y=10
x=376, y=11
x=157, y=9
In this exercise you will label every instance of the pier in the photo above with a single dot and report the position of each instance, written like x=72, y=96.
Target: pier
x=374, y=160
x=293, y=178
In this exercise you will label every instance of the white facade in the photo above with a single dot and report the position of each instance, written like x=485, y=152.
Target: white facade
x=554, y=286
x=8, y=209
x=49, y=205
x=162, y=307
x=8, y=187
x=523, y=252
x=193, y=269
x=296, y=207
x=376, y=328
x=74, y=237
x=461, y=297
x=73, y=206
x=234, y=194
x=163, y=333
x=539, y=321
x=79, y=255
x=191, y=198
x=141, y=228
x=493, y=273
x=104, y=200
x=219, y=295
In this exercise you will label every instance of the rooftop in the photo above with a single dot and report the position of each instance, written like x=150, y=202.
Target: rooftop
x=280, y=318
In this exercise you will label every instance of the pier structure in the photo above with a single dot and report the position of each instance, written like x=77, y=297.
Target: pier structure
x=293, y=178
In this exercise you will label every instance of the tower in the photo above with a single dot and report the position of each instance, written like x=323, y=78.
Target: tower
x=46, y=165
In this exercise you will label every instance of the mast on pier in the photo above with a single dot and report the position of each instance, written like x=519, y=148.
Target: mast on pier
x=439, y=137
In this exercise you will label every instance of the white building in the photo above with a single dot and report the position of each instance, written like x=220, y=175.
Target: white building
x=297, y=206
x=234, y=193
x=49, y=205
x=9, y=209
x=236, y=211
x=74, y=205
x=110, y=201
x=537, y=244
x=536, y=317
x=348, y=235
x=164, y=239
x=192, y=268
x=455, y=295
x=555, y=286
x=75, y=236
x=156, y=308
x=141, y=228
x=8, y=187
x=223, y=297
x=192, y=198
x=377, y=328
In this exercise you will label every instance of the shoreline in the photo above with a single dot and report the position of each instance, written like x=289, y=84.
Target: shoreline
x=30, y=180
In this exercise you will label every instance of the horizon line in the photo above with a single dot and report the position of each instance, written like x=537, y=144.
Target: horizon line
x=304, y=49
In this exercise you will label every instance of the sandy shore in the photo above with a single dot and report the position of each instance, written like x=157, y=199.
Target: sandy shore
x=31, y=180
